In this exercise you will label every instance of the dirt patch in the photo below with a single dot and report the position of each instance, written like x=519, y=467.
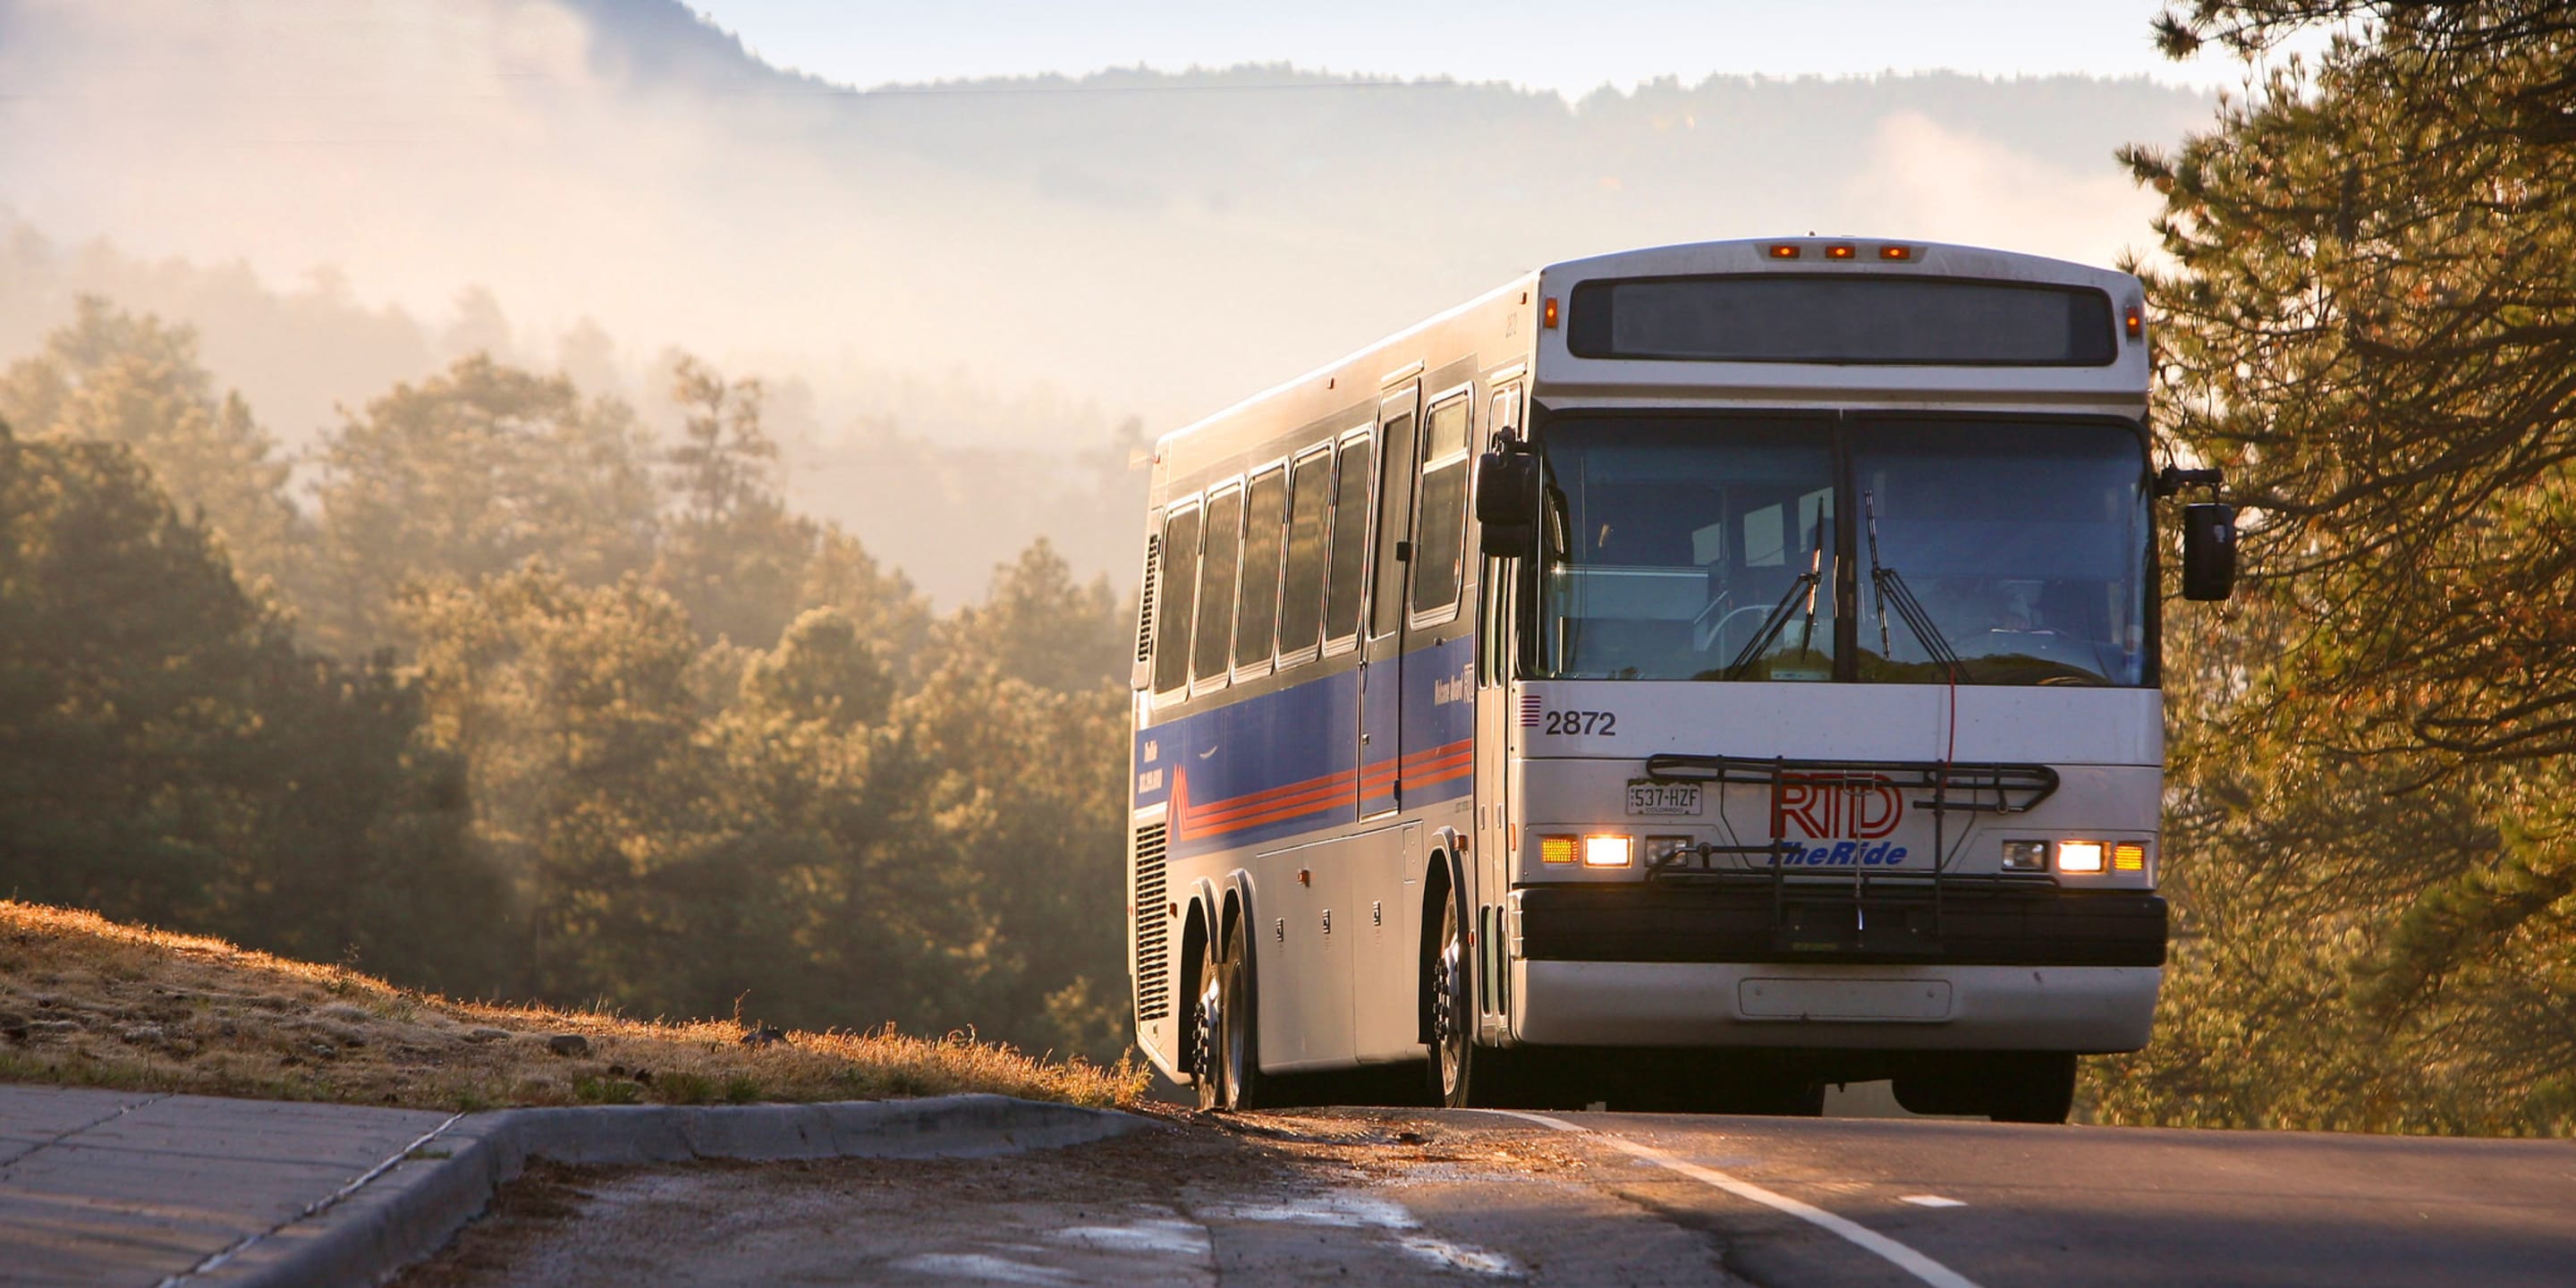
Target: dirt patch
x=849, y=1220
x=1377, y=1197
x=88, y=1002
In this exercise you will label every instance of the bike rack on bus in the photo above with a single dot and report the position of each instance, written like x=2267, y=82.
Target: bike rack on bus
x=1970, y=787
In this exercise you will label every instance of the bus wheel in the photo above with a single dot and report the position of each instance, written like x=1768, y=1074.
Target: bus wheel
x=1453, y=1014
x=1207, y=1029
x=2032, y=1087
x=1239, y=1029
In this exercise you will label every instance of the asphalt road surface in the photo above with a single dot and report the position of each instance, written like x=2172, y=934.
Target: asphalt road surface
x=1397, y=1197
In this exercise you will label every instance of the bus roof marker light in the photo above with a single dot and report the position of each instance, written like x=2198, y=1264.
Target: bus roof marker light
x=1547, y=313
x=1781, y=250
x=2133, y=320
x=1896, y=252
x=1839, y=250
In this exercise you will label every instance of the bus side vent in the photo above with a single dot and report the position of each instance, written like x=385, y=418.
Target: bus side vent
x=1153, y=929
x=1145, y=609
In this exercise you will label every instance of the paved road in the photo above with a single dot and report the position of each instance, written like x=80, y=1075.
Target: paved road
x=1407, y=1197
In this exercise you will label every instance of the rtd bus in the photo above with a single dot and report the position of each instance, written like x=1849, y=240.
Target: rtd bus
x=1681, y=678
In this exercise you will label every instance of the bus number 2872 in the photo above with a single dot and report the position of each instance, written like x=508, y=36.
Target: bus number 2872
x=1603, y=724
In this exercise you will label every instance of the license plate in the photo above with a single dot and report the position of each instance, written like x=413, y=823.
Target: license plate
x=1663, y=798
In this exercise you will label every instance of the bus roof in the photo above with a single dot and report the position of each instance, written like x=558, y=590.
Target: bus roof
x=1510, y=321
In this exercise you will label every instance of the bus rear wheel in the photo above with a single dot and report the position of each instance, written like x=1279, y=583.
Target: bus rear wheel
x=1239, y=1033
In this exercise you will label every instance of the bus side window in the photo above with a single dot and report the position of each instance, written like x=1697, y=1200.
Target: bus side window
x=1442, y=539
x=1301, y=607
x=1173, y=609
x=1350, y=540
x=1264, y=517
x=1395, y=522
x=1217, y=573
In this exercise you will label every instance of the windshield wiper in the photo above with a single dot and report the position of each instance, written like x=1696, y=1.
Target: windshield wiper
x=1887, y=584
x=1778, y=618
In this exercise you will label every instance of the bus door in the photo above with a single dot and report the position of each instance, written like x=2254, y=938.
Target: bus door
x=1381, y=699
x=1496, y=726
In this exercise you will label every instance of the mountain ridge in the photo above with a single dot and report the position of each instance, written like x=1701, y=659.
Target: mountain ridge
x=1034, y=259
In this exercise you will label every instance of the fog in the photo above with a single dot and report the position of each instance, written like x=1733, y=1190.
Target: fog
x=944, y=284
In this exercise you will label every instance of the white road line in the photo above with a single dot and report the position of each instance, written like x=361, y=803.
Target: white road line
x=1905, y=1258
x=1930, y=1200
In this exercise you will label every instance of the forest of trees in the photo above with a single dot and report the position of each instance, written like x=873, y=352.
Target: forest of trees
x=522, y=702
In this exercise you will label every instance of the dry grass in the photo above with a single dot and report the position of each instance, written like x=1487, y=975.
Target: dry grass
x=89, y=1002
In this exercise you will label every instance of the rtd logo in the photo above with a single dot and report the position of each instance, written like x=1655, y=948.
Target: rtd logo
x=1862, y=807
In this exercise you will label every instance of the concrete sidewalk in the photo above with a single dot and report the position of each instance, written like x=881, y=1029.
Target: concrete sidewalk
x=114, y=1188
x=110, y=1187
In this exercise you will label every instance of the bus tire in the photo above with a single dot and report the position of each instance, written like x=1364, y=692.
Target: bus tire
x=1453, y=1013
x=1239, y=1046
x=1785, y=1098
x=1207, y=1024
x=2032, y=1087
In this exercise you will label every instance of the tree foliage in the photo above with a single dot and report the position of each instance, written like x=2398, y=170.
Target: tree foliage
x=2369, y=319
x=735, y=554
x=468, y=474
x=167, y=755
x=113, y=376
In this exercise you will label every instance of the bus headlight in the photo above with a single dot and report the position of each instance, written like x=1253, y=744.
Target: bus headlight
x=2025, y=856
x=2079, y=856
x=1608, y=851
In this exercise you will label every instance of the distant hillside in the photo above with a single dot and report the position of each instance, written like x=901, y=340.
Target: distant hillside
x=1052, y=255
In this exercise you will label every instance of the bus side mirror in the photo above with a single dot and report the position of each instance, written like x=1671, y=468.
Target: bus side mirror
x=1507, y=504
x=2208, y=551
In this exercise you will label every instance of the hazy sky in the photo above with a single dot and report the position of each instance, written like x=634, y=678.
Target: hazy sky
x=1540, y=43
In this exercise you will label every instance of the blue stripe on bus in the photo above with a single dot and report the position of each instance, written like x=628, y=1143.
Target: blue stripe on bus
x=1286, y=762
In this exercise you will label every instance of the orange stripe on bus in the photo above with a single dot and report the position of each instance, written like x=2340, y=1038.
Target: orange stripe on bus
x=1317, y=795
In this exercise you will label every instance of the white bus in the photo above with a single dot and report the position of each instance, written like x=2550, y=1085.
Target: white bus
x=1681, y=678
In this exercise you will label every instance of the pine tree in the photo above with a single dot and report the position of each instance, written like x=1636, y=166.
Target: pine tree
x=2370, y=322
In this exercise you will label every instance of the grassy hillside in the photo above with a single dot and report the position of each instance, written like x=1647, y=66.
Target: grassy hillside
x=86, y=1001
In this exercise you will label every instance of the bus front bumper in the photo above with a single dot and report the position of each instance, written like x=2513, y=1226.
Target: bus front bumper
x=1877, y=1007
x=1987, y=967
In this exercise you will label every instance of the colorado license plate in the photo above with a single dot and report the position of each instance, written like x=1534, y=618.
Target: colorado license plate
x=1663, y=798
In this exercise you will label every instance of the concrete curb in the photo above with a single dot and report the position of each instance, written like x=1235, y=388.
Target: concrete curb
x=420, y=1199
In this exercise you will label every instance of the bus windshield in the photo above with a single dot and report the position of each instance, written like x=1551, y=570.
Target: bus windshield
x=2025, y=546
x=1701, y=548
x=1689, y=549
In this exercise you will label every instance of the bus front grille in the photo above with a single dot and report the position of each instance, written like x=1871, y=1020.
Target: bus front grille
x=1153, y=930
